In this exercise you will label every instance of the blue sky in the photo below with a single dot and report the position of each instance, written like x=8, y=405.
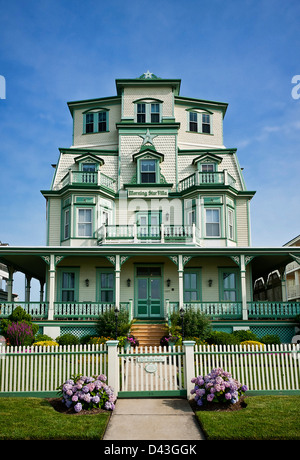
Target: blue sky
x=243, y=52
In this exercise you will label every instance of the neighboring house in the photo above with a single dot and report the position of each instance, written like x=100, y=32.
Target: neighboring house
x=149, y=211
x=293, y=274
x=3, y=280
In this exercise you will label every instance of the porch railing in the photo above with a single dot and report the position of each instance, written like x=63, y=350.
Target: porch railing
x=84, y=310
x=63, y=310
x=37, y=310
x=233, y=310
x=274, y=310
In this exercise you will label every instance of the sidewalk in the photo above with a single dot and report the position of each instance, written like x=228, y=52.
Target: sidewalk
x=153, y=419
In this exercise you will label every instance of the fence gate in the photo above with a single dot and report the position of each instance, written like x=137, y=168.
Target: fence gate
x=152, y=371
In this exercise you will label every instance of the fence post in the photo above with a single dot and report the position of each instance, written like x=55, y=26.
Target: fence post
x=189, y=365
x=113, y=369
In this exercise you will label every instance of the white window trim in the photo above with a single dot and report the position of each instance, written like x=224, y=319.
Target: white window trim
x=219, y=223
x=200, y=121
x=84, y=223
x=231, y=224
x=148, y=112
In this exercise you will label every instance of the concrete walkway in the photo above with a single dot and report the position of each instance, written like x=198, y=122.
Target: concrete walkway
x=153, y=419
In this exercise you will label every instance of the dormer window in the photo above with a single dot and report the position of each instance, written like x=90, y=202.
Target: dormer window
x=95, y=121
x=199, y=122
x=89, y=167
x=148, y=111
x=148, y=171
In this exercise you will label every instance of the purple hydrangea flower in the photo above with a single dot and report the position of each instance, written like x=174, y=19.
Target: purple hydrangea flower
x=78, y=407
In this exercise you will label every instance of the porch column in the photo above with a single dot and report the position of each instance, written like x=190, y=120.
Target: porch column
x=117, y=282
x=10, y=284
x=243, y=288
x=42, y=284
x=180, y=281
x=27, y=288
x=52, y=276
x=283, y=284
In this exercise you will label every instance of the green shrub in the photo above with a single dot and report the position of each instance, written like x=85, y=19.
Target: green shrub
x=221, y=338
x=106, y=324
x=196, y=323
x=243, y=335
x=67, y=339
x=270, y=339
x=43, y=338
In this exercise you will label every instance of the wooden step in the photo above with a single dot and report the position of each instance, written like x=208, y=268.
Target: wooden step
x=148, y=334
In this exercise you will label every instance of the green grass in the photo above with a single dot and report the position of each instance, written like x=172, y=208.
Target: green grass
x=264, y=418
x=35, y=419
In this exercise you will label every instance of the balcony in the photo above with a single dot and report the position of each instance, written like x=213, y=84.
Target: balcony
x=206, y=179
x=153, y=233
x=88, y=179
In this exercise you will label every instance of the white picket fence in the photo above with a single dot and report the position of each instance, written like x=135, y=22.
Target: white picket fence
x=268, y=368
x=43, y=369
x=152, y=371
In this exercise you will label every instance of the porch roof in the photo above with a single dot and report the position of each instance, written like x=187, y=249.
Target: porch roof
x=30, y=259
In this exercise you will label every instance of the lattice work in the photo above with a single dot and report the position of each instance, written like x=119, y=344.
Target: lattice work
x=227, y=329
x=79, y=332
x=284, y=333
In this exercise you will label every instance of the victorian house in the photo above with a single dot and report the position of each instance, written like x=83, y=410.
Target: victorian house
x=149, y=211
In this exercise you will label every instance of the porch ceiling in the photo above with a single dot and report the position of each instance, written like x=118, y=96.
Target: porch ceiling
x=265, y=264
x=31, y=265
x=29, y=260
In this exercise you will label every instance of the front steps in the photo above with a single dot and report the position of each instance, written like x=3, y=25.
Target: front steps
x=148, y=333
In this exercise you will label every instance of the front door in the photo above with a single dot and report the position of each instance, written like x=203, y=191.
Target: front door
x=148, y=294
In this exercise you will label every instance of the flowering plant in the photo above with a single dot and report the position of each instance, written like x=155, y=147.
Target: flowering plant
x=218, y=386
x=20, y=333
x=83, y=392
x=170, y=339
x=131, y=340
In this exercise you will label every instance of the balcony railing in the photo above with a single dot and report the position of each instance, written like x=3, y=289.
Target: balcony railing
x=206, y=179
x=88, y=179
x=156, y=233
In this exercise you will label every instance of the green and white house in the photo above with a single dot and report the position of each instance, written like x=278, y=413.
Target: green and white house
x=149, y=211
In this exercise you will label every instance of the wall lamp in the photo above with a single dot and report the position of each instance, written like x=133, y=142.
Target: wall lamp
x=87, y=282
x=128, y=282
x=210, y=283
x=168, y=282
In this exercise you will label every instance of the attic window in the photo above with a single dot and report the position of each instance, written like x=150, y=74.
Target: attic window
x=148, y=112
x=148, y=171
x=199, y=122
x=95, y=121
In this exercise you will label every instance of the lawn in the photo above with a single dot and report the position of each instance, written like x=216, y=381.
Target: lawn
x=264, y=418
x=36, y=419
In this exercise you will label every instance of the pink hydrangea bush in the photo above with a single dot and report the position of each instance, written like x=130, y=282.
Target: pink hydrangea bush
x=219, y=387
x=85, y=393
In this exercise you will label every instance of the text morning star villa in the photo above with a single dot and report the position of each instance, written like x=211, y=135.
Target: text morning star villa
x=148, y=211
